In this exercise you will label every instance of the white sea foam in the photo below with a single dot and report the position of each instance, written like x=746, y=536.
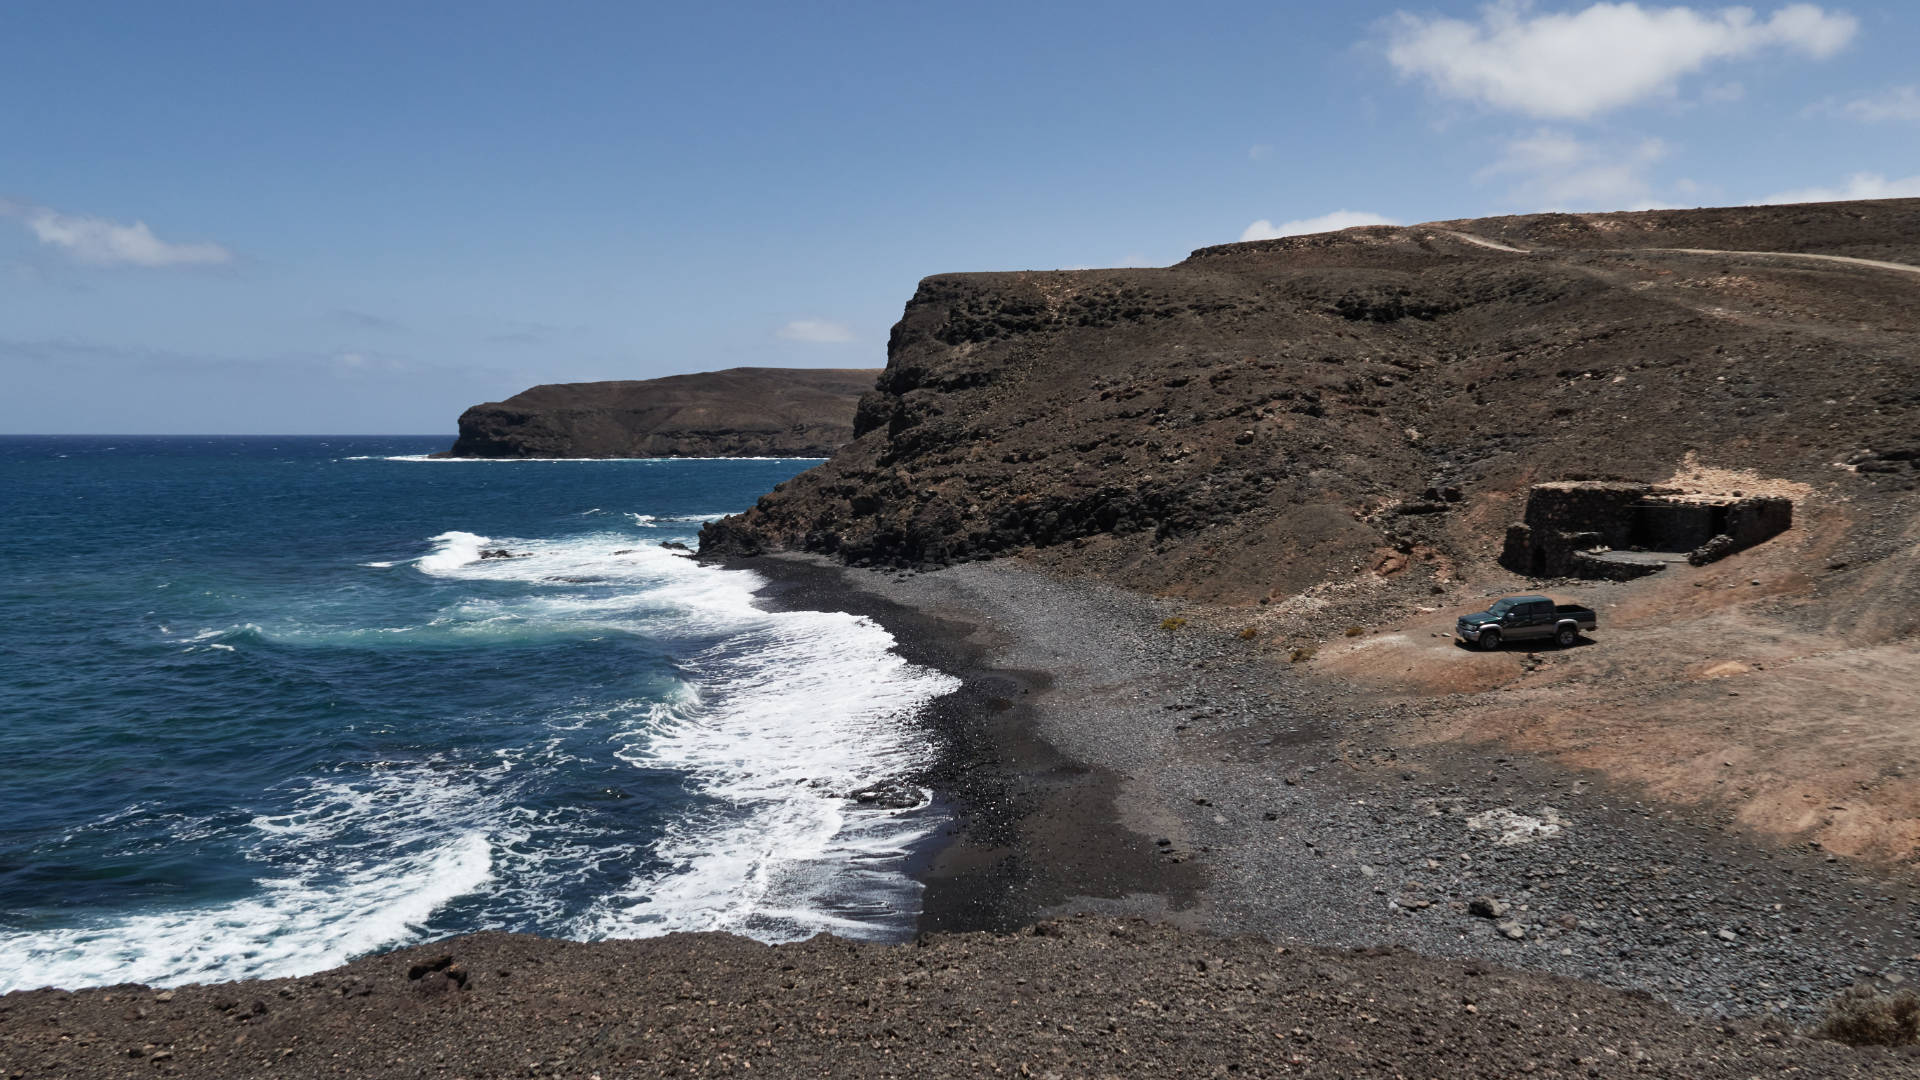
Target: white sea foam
x=777, y=724
x=772, y=727
x=220, y=638
x=456, y=550
x=356, y=867
x=678, y=519
x=781, y=724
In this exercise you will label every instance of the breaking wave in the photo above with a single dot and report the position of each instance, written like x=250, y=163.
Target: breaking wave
x=764, y=725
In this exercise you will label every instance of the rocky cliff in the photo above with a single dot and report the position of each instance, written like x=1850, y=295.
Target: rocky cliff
x=740, y=412
x=1270, y=416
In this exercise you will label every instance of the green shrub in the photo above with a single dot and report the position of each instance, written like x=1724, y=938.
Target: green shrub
x=1174, y=623
x=1354, y=631
x=1249, y=634
x=1865, y=1017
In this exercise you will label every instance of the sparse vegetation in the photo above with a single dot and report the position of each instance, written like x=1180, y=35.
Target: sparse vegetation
x=1173, y=623
x=1864, y=1016
x=1300, y=655
x=1354, y=631
x=1249, y=633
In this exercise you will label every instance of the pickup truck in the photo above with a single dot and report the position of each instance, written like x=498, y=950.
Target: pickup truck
x=1525, y=618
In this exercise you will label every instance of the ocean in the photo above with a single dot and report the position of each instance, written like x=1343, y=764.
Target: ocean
x=268, y=707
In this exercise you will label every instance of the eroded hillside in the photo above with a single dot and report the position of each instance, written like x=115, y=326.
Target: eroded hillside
x=1316, y=433
x=1268, y=417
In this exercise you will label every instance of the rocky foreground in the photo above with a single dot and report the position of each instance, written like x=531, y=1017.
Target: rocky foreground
x=1075, y=998
x=740, y=412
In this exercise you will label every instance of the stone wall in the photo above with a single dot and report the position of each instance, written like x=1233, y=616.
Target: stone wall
x=1566, y=518
x=1753, y=521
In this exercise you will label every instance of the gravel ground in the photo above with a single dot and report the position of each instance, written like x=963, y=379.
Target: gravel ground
x=1077, y=998
x=1310, y=818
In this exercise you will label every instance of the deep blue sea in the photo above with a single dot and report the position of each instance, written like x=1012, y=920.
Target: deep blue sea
x=266, y=708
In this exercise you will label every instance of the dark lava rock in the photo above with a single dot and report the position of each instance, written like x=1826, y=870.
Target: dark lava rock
x=890, y=795
x=1486, y=907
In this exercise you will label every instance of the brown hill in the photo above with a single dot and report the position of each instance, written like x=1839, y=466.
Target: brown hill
x=1268, y=417
x=739, y=412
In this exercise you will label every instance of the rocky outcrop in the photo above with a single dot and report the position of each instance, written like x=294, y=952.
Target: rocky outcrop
x=740, y=412
x=1269, y=416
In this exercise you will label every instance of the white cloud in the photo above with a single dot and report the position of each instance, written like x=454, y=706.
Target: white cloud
x=1897, y=103
x=1857, y=186
x=815, y=332
x=100, y=242
x=1605, y=56
x=1552, y=170
x=1339, y=219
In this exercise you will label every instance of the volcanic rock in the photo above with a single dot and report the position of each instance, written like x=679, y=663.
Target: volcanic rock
x=1268, y=417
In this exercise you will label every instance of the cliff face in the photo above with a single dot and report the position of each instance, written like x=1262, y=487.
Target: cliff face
x=1269, y=416
x=740, y=412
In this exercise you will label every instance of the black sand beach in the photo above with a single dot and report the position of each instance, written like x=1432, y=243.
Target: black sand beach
x=1104, y=764
x=1101, y=769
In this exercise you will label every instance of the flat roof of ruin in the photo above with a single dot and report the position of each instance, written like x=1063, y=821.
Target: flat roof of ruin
x=1658, y=492
x=1593, y=485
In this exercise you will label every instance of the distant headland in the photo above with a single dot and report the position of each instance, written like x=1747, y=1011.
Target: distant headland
x=739, y=412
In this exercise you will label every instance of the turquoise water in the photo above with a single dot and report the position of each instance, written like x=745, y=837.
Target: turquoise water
x=267, y=709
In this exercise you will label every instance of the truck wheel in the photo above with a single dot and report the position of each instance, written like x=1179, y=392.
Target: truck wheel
x=1489, y=640
x=1567, y=636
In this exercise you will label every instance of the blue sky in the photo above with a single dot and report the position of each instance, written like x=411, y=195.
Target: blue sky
x=360, y=218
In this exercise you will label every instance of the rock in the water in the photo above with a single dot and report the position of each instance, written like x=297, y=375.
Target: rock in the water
x=891, y=795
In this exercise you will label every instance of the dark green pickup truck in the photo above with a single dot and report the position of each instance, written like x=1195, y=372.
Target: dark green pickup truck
x=1525, y=618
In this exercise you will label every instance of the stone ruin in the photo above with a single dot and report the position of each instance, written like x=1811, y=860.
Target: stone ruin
x=1617, y=531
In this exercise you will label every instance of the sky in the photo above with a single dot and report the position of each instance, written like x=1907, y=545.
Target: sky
x=356, y=218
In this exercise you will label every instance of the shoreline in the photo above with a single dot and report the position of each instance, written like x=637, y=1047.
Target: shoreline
x=1018, y=804
x=1075, y=746
x=1105, y=765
